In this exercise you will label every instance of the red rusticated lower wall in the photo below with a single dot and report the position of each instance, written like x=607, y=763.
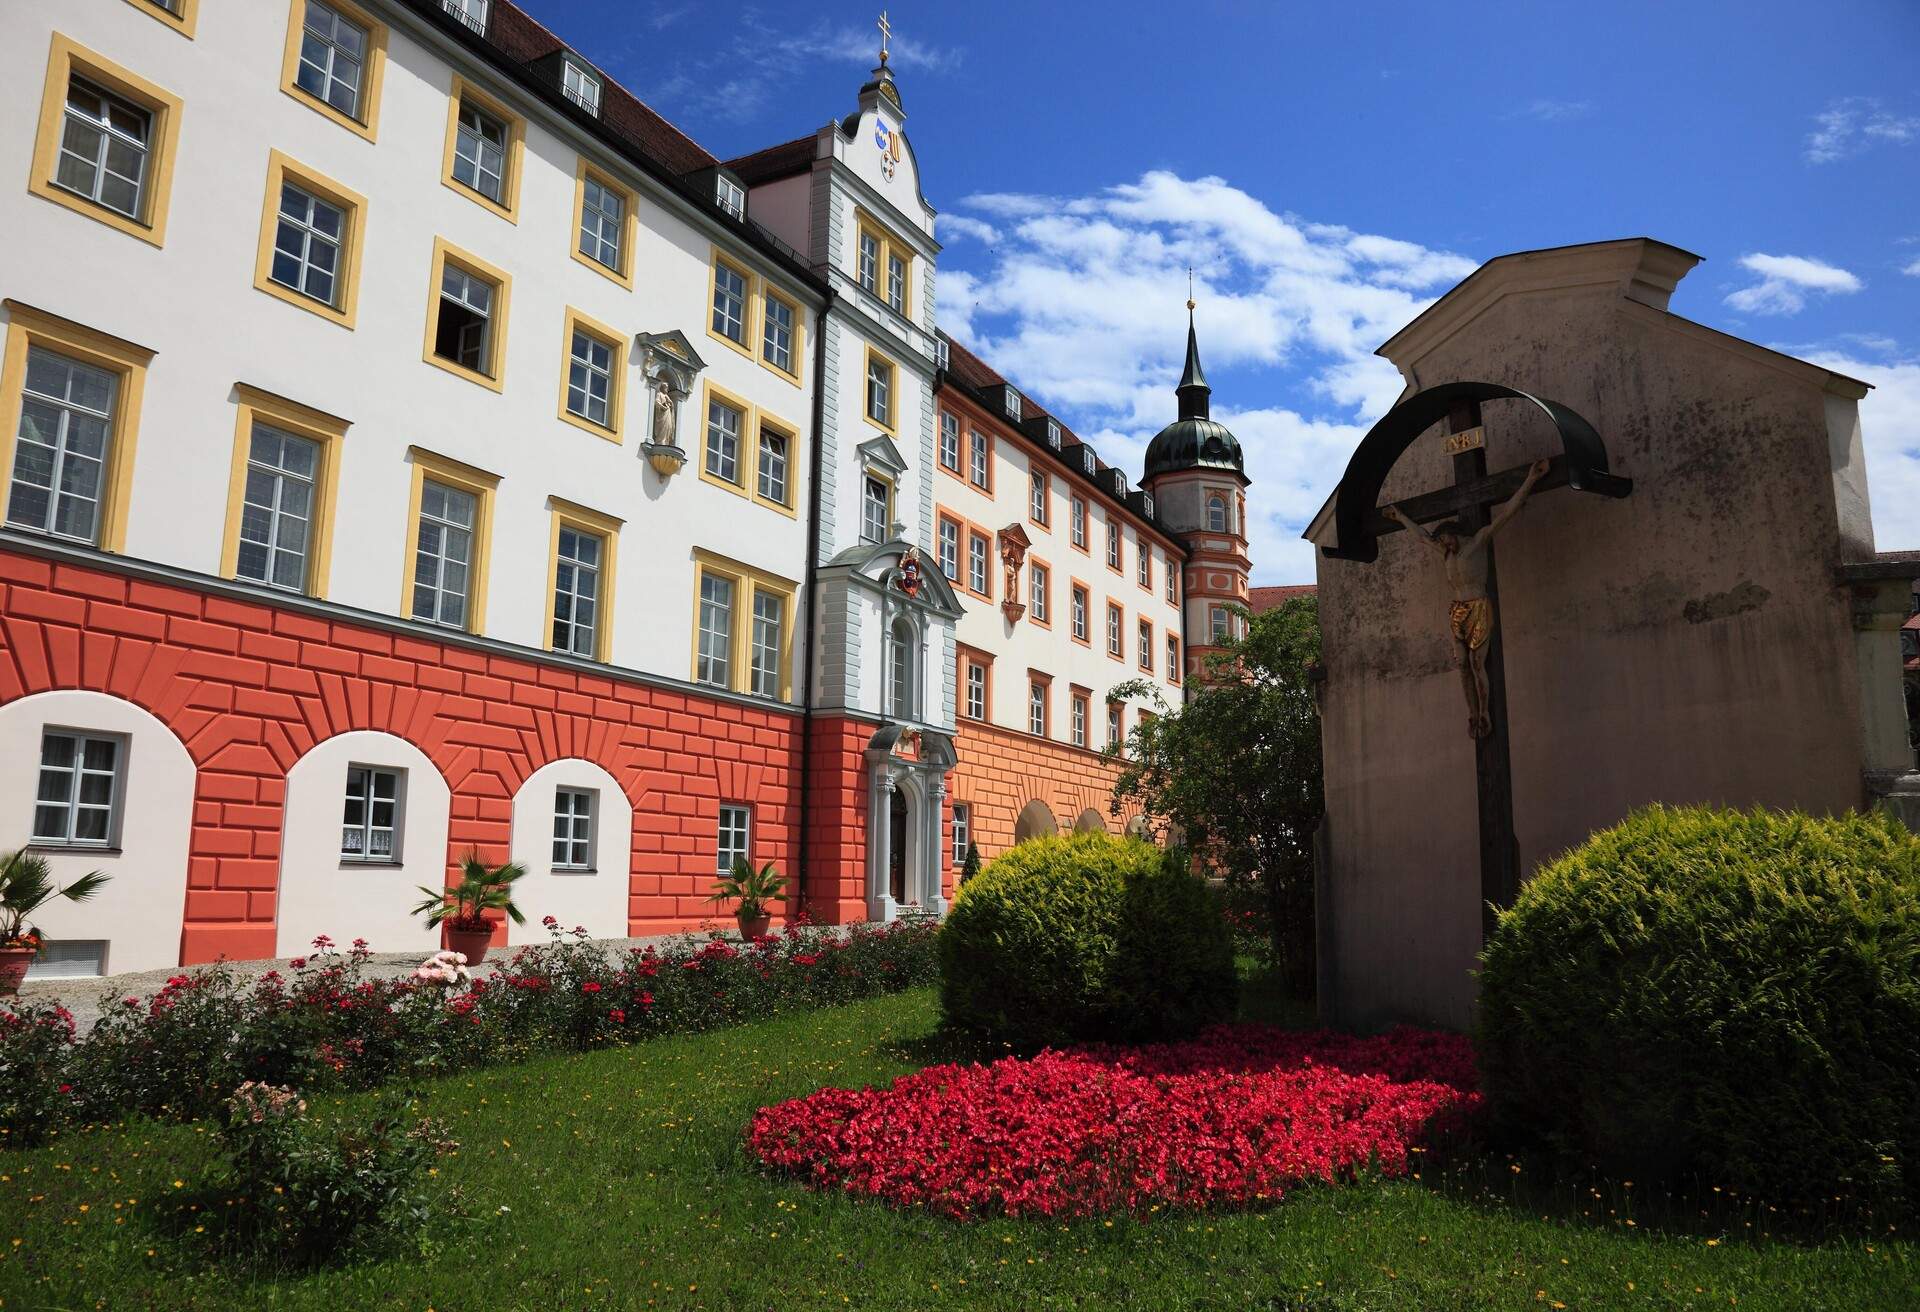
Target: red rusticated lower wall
x=1001, y=770
x=836, y=892
x=249, y=687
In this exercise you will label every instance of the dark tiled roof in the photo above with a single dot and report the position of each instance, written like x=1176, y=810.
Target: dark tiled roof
x=781, y=161
x=1261, y=600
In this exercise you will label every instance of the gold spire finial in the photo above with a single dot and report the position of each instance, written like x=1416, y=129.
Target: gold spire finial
x=886, y=32
x=1189, y=289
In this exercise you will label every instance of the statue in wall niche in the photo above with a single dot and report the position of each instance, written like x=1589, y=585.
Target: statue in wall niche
x=666, y=415
x=1470, y=613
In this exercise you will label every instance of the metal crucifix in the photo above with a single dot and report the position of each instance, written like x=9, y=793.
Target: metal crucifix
x=1477, y=505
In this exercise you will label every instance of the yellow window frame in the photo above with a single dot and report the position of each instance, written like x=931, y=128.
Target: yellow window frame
x=762, y=420
x=749, y=320
x=860, y=506
x=28, y=327
x=629, y=223
x=455, y=473
x=748, y=583
x=575, y=321
x=372, y=69
x=768, y=292
x=892, y=423
x=746, y=459
x=444, y=253
x=282, y=168
x=569, y=514
x=889, y=246
x=66, y=58
x=508, y=207
x=256, y=405
x=182, y=22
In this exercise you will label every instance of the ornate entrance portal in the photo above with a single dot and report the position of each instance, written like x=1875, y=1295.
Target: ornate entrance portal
x=906, y=794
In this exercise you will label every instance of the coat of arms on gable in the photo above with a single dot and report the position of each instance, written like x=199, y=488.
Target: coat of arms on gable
x=888, y=141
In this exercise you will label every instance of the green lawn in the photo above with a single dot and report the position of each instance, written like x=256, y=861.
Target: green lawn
x=617, y=1180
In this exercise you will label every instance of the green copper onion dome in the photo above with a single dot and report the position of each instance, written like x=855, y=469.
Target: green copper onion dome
x=1194, y=440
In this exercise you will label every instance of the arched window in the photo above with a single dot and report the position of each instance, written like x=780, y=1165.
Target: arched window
x=1216, y=514
x=900, y=662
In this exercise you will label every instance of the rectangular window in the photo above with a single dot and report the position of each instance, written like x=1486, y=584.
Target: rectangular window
x=896, y=282
x=1079, y=721
x=977, y=563
x=1011, y=400
x=729, y=197
x=79, y=789
x=1219, y=623
x=1078, y=515
x=471, y=12
x=1037, y=496
x=729, y=303
x=1146, y=567
x=870, y=262
x=1173, y=583
x=772, y=476
x=369, y=825
x=1037, y=708
x=573, y=828
x=977, y=459
x=1038, y=587
x=1114, y=713
x=1146, y=644
x=714, y=662
x=723, y=440
x=950, y=440
x=105, y=148
x=776, y=337
x=277, y=508
x=443, y=554
x=581, y=87
x=333, y=57
x=769, y=620
x=60, y=456
x=950, y=550
x=603, y=219
x=736, y=838
x=880, y=391
x=467, y=319
x=1080, y=613
x=873, y=510
x=976, y=691
x=590, y=378
x=480, y=152
x=1173, y=658
x=1113, y=546
x=306, y=244
x=962, y=832
x=1114, y=620
x=576, y=592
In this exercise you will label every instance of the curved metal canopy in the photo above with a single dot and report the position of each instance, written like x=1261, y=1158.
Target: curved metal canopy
x=1358, y=496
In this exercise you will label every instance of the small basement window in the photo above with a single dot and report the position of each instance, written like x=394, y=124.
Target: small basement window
x=69, y=959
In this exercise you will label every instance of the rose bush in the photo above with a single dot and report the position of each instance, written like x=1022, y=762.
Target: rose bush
x=1236, y=1117
x=327, y=1024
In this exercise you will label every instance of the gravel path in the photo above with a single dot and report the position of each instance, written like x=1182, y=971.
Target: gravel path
x=82, y=996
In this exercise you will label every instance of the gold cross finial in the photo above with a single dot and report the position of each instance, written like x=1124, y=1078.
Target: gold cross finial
x=1189, y=288
x=886, y=31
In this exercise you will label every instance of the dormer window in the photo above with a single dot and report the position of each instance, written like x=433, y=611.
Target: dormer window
x=471, y=12
x=729, y=195
x=581, y=86
x=1119, y=482
x=1012, y=403
x=1088, y=461
x=1146, y=505
x=940, y=352
x=1053, y=433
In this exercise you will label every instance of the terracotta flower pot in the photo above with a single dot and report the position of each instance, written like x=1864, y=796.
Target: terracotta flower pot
x=471, y=943
x=14, y=960
x=752, y=927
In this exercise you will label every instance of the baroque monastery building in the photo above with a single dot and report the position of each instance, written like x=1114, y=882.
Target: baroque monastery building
x=413, y=444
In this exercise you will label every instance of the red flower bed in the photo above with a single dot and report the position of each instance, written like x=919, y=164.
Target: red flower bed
x=1234, y=1118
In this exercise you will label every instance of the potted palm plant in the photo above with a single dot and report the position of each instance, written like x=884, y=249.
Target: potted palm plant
x=462, y=909
x=26, y=885
x=751, y=890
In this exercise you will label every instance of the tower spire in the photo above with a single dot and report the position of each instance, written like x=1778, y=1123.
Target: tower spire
x=1196, y=398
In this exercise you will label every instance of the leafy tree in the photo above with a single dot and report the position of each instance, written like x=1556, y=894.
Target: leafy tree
x=971, y=866
x=1234, y=773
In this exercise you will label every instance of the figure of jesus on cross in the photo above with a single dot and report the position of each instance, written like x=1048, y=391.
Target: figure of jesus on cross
x=1471, y=614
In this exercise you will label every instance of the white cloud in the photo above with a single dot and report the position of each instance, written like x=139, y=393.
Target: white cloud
x=1554, y=111
x=1081, y=301
x=1854, y=124
x=958, y=226
x=1912, y=270
x=1786, y=281
x=1890, y=427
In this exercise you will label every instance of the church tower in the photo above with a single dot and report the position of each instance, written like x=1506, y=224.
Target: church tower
x=1198, y=480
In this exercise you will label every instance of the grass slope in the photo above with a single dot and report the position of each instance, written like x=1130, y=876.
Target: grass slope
x=616, y=1180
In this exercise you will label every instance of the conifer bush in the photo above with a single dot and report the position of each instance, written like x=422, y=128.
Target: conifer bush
x=1085, y=936
x=1728, y=995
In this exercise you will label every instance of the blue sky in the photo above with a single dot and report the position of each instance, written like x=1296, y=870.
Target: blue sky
x=1330, y=168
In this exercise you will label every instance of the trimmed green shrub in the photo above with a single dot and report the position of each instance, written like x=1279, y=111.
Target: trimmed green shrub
x=1085, y=936
x=1731, y=995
